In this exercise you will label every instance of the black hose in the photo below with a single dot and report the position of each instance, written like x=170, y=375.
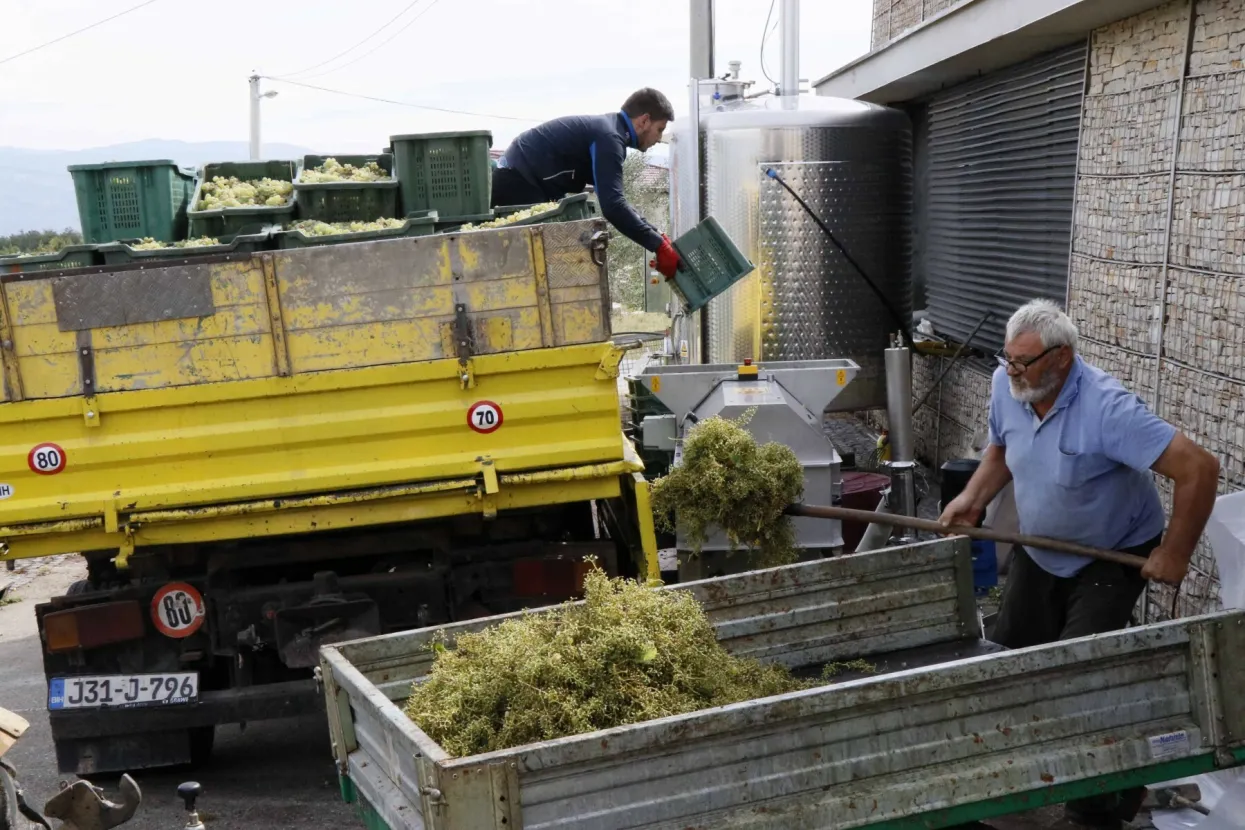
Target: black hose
x=902, y=324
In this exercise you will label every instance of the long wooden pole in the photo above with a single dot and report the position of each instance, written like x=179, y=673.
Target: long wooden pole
x=846, y=514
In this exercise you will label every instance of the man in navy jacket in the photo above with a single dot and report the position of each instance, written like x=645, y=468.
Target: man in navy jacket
x=562, y=156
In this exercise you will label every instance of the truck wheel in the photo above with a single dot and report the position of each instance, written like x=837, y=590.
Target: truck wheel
x=9, y=817
x=202, y=740
x=82, y=586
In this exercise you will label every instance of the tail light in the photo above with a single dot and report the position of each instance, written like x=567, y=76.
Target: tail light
x=91, y=626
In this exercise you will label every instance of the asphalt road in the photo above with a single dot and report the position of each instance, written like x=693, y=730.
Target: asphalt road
x=273, y=774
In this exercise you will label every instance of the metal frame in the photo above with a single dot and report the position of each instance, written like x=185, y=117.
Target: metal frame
x=991, y=734
x=1172, y=170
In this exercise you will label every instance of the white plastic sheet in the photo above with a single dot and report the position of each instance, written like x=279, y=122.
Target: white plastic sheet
x=1223, y=793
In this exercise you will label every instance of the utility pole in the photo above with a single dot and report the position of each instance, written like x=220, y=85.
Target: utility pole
x=256, y=95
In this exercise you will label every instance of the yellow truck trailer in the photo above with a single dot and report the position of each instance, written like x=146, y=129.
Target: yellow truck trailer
x=262, y=453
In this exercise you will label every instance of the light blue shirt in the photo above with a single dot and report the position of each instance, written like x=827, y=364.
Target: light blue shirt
x=1082, y=474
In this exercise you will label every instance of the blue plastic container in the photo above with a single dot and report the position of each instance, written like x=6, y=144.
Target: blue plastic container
x=985, y=567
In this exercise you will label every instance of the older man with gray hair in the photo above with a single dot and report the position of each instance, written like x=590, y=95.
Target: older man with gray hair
x=1080, y=450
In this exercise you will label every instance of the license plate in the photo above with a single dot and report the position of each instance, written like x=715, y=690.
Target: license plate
x=123, y=690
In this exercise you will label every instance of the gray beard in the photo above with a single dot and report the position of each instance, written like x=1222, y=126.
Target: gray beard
x=1033, y=394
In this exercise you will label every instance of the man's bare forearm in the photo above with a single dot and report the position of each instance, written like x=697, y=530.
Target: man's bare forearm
x=1193, y=499
x=991, y=477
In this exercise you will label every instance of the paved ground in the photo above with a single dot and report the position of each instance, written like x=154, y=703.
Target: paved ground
x=274, y=774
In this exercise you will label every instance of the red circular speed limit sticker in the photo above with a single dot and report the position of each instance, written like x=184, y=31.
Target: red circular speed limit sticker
x=484, y=417
x=46, y=459
x=177, y=610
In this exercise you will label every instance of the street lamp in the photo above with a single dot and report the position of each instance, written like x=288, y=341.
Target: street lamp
x=256, y=95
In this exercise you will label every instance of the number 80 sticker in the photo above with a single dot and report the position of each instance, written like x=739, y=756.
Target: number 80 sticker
x=484, y=417
x=177, y=610
x=46, y=459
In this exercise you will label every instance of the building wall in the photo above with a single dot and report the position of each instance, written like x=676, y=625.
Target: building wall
x=1157, y=270
x=891, y=18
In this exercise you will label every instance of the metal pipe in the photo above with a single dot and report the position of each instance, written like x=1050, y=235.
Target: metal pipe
x=899, y=403
x=702, y=40
x=846, y=514
x=903, y=490
x=790, y=33
x=876, y=535
x=254, y=81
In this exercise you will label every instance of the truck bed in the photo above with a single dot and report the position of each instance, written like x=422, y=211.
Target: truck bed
x=980, y=734
x=284, y=392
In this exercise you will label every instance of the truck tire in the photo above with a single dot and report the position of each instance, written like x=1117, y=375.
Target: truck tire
x=202, y=741
x=82, y=586
x=9, y=818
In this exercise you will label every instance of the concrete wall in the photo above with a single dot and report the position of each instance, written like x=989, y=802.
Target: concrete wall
x=1157, y=272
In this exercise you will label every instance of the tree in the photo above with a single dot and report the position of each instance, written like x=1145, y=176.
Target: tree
x=628, y=262
x=38, y=242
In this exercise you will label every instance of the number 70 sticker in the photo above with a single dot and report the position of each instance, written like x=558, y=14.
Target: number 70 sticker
x=484, y=417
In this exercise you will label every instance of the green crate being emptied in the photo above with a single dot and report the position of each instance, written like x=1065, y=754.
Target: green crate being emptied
x=711, y=264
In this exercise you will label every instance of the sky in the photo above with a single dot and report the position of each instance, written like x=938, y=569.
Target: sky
x=177, y=69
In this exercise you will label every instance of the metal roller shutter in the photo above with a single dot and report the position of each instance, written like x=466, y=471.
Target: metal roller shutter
x=1002, y=153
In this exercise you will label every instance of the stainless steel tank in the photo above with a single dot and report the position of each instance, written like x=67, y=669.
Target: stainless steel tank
x=851, y=162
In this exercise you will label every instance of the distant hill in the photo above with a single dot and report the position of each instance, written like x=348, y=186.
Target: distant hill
x=36, y=192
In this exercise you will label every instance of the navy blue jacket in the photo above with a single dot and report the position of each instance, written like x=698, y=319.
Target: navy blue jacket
x=563, y=155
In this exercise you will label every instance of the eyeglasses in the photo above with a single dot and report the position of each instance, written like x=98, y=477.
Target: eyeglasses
x=1018, y=364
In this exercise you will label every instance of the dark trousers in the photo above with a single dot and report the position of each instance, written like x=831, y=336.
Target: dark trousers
x=510, y=188
x=1040, y=608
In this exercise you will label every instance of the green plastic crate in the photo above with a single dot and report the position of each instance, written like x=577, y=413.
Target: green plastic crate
x=711, y=263
x=249, y=241
x=347, y=201
x=571, y=209
x=227, y=222
x=127, y=199
x=74, y=256
x=445, y=172
x=420, y=223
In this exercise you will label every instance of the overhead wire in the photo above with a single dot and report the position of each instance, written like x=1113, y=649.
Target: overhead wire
x=378, y=46
x=398, y=103
x=382, y=28
x=766, y=31
x=76, y=32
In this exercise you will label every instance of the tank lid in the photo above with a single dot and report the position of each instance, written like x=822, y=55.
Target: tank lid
x=803, y=110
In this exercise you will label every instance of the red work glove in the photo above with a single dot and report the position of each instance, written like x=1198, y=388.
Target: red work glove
x=667, y=261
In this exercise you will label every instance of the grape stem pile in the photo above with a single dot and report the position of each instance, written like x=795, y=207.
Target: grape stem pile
x=727, y=481
x=312, y=227
x=334, y=171
x=231, y=192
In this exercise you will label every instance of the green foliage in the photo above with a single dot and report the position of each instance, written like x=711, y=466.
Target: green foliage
x=729, y=481
x=38, y=242
x=628, y=262
x=627, y=654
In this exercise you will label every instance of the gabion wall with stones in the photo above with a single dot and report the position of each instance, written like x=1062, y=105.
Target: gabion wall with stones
x=1156, y=277
x=1158, y=251
x=891, y=18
